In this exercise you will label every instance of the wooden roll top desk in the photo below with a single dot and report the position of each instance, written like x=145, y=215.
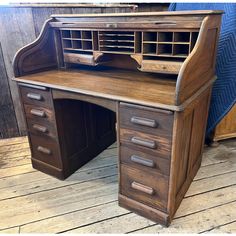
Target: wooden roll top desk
x=143, y=79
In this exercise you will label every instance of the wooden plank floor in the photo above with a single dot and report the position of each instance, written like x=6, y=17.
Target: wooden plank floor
x=86, y=202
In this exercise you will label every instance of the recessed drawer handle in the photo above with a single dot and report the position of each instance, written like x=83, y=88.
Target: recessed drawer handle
x=40, y=128
x=44, y=150
x=34, y=96
x=142, y=188
x=142, y=161
x=144, y=142
x=143, y=121
x=37, y=112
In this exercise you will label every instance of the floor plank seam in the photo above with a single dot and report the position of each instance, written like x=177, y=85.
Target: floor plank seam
x=218, y=226
x=227, y=172
x=215, y=163
x=96, y=168
x=99, y=221
x=4, y=168
x=18, y=174
x=82, y=209
x=175, y=218
x=46, y=190
x=208, y=191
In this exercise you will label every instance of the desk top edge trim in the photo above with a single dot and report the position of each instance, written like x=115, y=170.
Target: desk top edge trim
x=163, y=13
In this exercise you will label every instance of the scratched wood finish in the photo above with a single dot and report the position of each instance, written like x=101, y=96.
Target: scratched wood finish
x=150, y=89
x=161, y=118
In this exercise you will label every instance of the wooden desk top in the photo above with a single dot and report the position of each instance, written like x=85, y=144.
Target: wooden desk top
x=122, y=85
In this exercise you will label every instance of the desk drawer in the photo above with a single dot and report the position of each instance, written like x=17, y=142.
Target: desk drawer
x=144, y=161
x=38, y=113
x=41, y=128
x=37, y=97
x=45, y=150
x=150, y=144
x=148, y=120
x=146, y=188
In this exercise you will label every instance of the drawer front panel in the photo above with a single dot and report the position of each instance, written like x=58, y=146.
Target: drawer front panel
x=149, y=144
x=144, y=161
x=148, y=120
x=39, y=114
x=41, y=128
x=36, y=96
x=45, y=150
x=146, y=188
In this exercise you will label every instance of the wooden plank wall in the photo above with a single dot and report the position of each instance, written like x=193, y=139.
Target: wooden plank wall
x=20, y=26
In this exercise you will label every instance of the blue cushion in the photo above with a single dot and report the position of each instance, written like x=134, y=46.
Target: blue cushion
x=224, y=89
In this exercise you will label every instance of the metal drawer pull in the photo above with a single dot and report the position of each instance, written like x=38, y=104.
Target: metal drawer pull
x=37, y=112
x=143, y=121
x=142, y=188
x=144, y=142
x=40, y=128
x=142, y=161
x=34, y=96
x=44, y=150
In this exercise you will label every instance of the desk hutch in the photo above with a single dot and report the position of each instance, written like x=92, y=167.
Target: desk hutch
x=143, y=79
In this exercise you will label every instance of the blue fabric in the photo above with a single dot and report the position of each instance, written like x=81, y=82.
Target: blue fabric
x=224, y=89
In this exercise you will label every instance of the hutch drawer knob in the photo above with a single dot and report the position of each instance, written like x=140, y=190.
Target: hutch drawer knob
x=44, y=150
x=144, y=142
x=37, y=112
x=143, y=121
x=142, y=161
x=40, y=128
x=142, y=188
x=34, y=96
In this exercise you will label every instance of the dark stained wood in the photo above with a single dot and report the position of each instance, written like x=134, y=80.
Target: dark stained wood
x=156, y=122
x=8, y=124
x=154, y=145
x=151, y=163
x=153, y=193
x=36, y=97
x=111, y=84
x=160, y=117
x=45, y=150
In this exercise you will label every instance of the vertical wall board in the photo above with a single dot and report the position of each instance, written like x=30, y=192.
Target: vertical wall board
x=84, y=10
x=41, y=14
x=16, y=30
x=142, y=7
x=8, y=124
